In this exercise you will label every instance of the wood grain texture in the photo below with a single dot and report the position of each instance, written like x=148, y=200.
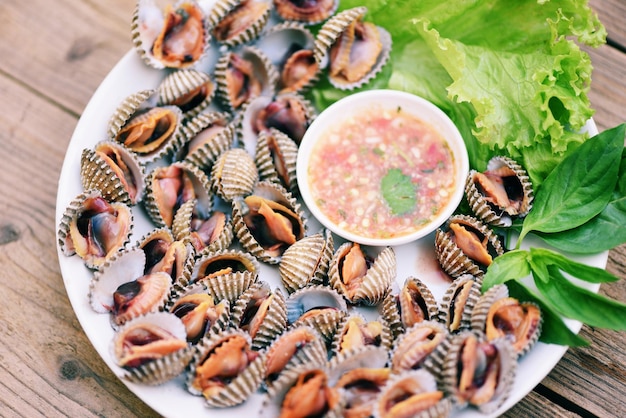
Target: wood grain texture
x=48, y=367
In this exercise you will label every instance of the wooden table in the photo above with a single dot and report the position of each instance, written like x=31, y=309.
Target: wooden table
x=54, y=55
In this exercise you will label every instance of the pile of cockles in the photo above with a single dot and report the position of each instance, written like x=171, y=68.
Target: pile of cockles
x=209, y=157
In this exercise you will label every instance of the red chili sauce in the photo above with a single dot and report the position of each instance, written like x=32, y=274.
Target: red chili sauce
x=349, y=162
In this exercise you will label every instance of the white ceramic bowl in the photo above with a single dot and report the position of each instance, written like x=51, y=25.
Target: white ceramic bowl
x=387, y=100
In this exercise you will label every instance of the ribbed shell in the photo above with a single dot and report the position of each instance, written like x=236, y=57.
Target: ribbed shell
x=489, y=212
x=369, y=356
x=234, y=174
x=306, y=262
x=286, y=43
x=289, y=10
x=181, y=228
x=146, y=15
x=202, y=149
x=297, y=346
x=225, y=11
x=115, y=171
x=317, y=297
x=275, y=158
x=179, y=254
x=421, y=382
x=412, y=348
x=180, y=304
x=161, y=369
x=456, y=306
x=189, y=89
x=263, y=70
x=67, y=224
x=333, y=30
x=139, y=104
x=201, y=186
x=383, y=340
x=238, y=389
x=497, y=298
x=274, y=321
x=374, y=285
x=276, y=193
x=452, y=365
x=452, y=258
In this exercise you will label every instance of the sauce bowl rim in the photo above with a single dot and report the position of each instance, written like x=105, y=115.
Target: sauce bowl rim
x=416, y=106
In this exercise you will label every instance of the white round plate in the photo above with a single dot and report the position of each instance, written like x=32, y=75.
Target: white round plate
x=172, y=399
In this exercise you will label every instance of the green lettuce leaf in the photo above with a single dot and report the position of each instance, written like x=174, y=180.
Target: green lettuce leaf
x=509, y=74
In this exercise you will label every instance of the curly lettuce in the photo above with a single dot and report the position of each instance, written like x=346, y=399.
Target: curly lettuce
x=510, y=74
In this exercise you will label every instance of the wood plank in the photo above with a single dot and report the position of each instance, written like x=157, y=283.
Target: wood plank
x=49, y=367
x=69, y=57
x=608, y=87
x=612, y=13
x=535, y=405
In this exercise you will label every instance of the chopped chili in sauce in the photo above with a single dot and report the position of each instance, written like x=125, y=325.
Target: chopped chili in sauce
x=347, y=165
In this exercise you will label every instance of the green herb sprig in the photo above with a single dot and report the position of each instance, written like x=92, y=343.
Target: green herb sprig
x=398, y=191
x=585, y=190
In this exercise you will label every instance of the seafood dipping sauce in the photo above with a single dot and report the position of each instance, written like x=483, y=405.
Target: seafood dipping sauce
x=382, y=173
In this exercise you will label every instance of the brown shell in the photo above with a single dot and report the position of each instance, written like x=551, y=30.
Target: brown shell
x=182, y=180
x=243, y=75
x=151, y=349
x=206, y=232
x=498, y=316
x=189, y=89
x=236, y=22
x=310, y=13
x=456, y=306
x=478, y=372
x=234, y=174
x=113, y=170
x=414, y=394
x=355, y=332
x=296, y=347
x=208, y=135
x=501, y=193
x=289, y=45
x=416, y=303
x=412, y=349
x=200, y=314
x=161, y=43
x=289, y=113
x=360, y=278
x=164, y=253
x=464, y=245
x=268, y=221
x=152, y=132
x=275, y=157
x=318, y=306
x=261, y=312
x=109, y=227
x=360, y=375
x=225, y=370
x=356, y=50
x=306, y=261
x=306, y=390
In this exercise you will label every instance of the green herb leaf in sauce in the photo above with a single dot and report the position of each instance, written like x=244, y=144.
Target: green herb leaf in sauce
x=398, y=191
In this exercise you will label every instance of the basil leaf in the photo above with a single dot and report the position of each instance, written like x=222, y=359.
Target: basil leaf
x=581, y=304
x=512, y=265
x=580, y=186
x=582, y=271
x=398, y=191
x=602, y=233
x=553, y=329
